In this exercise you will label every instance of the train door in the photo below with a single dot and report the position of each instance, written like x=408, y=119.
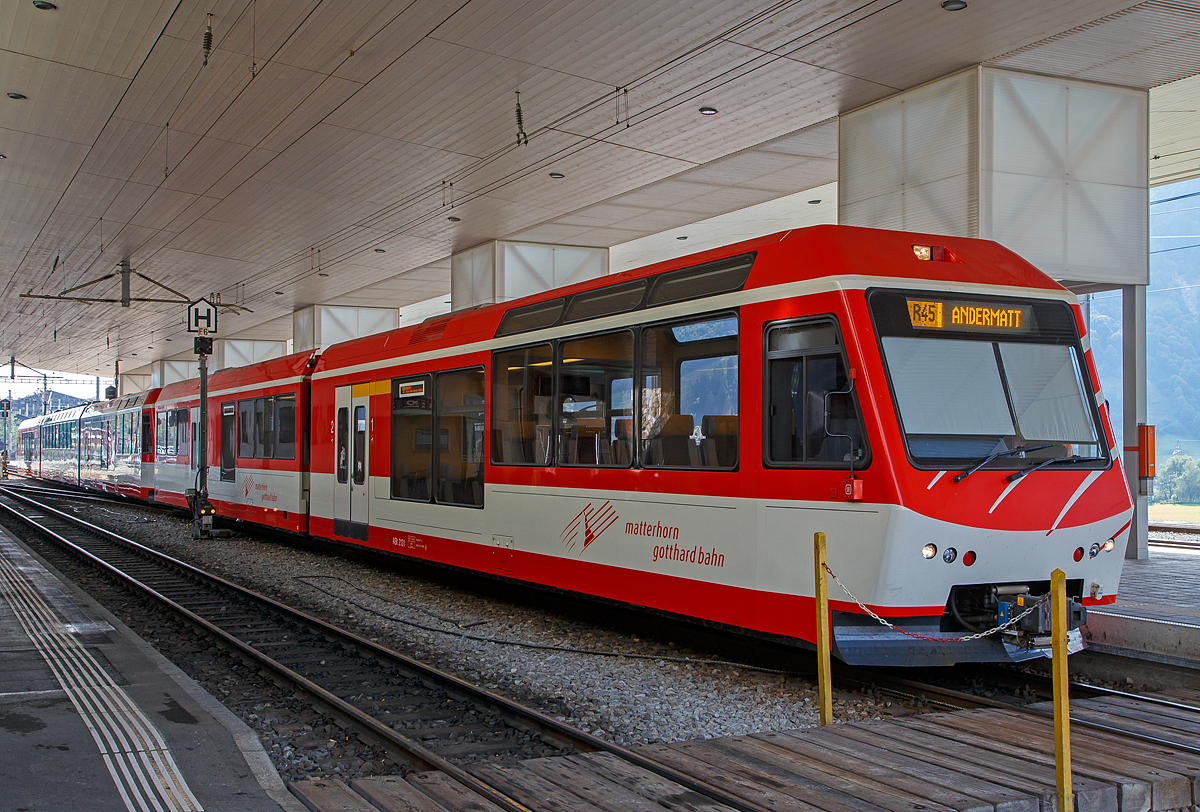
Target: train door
x=351, y=465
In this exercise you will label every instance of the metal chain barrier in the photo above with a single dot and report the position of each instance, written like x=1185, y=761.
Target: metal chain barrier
x=895, y=628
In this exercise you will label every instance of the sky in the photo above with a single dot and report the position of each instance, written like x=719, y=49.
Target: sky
x=80, y=386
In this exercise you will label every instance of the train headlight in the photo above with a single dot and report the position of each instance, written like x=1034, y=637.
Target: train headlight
x=1078, y=554
x=929, y=550
x=1094, y=550
x=1108, y=545
x=969, y=557
x=949, y=554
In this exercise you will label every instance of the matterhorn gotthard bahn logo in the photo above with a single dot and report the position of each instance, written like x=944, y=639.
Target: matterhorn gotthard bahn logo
x=588, y=525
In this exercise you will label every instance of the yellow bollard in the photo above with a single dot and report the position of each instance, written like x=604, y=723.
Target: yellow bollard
x=1062, y=711
x=825, y=690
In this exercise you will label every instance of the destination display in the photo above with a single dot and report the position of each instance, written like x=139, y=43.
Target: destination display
x=949, y=314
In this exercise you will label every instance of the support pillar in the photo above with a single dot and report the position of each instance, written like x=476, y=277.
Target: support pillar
x=320, y=326
x=501, y=271
x=1133, y=408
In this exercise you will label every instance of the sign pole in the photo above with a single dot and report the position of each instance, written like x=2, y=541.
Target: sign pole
x=202, y=319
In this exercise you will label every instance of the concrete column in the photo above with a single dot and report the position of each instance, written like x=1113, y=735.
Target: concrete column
x=1133, y=339
x=240, y=352
x=320, y=326
x=1053, y=168
x=501, y=271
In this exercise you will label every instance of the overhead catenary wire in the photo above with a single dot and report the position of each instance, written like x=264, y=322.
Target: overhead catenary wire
x=759, y=61
x=673, y=100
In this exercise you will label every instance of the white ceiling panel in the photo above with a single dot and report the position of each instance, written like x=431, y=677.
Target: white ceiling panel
x=359, y=115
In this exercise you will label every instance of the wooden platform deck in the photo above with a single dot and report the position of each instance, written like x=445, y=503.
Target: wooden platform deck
x=967, y=761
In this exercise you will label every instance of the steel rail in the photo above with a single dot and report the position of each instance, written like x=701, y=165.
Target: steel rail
x=1174, y=528
x=398, y=746
x=389, y=738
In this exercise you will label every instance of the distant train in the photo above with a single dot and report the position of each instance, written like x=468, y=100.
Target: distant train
x=672, y=437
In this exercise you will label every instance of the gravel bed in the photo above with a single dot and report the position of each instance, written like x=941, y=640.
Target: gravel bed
x=658, y=692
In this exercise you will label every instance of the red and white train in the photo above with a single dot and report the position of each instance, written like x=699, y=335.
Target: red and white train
x=672, y=437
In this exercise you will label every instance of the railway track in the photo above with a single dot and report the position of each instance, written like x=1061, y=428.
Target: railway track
x=420, y=717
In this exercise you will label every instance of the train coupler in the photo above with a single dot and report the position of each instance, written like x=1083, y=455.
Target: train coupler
x=1034, y=622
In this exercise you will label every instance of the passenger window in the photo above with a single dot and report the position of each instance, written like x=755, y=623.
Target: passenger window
x=522, y=386
x=285, y=427
x=412, y=439
x=146, y=435
x=690, y=394
x=360, y=445
x=264, y=425
x=245, y=448
x=809, y=420
x=343, y=445
x=595, y=420
x=460, y=432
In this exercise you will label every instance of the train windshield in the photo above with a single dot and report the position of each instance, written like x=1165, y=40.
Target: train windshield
x=971, y=379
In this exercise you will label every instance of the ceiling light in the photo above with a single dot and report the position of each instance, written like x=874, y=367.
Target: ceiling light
x=12, y=94
x=954, y=5
x=708, y=111
x=813, y=202
x=279, y=293
x=2, y=157
x=682, y=238
x=380, y=250
x=557, y=175
x=322, y=273
x=43, y=5
x=453, y=219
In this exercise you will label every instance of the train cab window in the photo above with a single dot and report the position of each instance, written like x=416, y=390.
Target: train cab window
x=595, y=415
x=459, y=428
x=245, y=429
x=360, y=445
x=343, y=445
x=522, y=390
x=228, y=440
x=812, y=416
x=412, y=439
x=689, y=415
x=988, y=376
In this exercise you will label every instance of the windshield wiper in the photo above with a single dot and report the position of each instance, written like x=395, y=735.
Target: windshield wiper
x=1070, y=458
x=997, y=456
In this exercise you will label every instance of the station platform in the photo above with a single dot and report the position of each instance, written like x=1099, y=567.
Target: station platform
x=91, y=717
x=1157, y=613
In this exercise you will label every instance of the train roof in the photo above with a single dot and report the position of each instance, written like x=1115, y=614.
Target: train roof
x=135, y=401
x=61, y=416
x=796, y=255
x=274, y=372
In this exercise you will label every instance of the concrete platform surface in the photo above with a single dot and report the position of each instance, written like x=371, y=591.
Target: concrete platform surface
x=1157, y=613
x=91, y=717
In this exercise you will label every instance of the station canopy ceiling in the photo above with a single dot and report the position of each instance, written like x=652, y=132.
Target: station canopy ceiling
x=322, y=131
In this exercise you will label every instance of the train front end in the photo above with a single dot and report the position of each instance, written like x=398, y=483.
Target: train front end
x=1004, y=466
